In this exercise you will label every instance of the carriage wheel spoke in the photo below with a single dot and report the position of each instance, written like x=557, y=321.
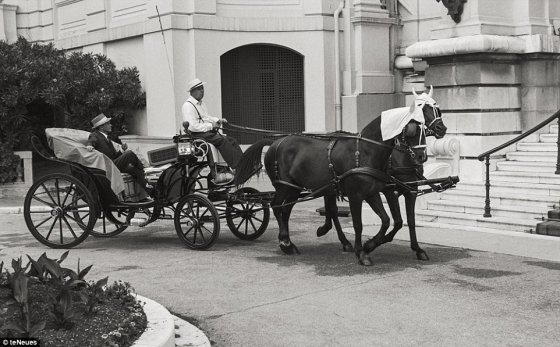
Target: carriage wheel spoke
x=51, y=228
x=202, y=234
x=44, y=202
x=69, y=227
x=70, y=189
x=242, y=220
x=48, y=193
x=43, y=222
x=60, y=230
x=57, y=186
x=253, y=224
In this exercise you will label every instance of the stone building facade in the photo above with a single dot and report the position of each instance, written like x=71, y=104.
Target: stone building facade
x=274, y=63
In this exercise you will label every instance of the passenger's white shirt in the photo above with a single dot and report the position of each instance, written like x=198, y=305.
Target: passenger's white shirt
x=199, y=121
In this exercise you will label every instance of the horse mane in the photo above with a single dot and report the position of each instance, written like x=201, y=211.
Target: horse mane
x=372, y=130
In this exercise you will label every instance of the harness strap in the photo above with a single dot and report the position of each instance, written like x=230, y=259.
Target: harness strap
x=357, y=153
x=336, y=179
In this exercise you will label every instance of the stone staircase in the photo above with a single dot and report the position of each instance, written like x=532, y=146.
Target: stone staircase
x=523, y=189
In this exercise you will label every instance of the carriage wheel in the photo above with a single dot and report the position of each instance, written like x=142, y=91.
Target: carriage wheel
x=197, y=222
x=247, y=220
x=50, y=207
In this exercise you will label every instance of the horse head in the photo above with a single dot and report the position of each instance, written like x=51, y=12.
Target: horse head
x=410, y=145
x=431, y=111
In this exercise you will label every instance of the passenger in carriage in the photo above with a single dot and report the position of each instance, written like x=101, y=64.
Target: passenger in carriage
x=126, y=161
x=205, y=126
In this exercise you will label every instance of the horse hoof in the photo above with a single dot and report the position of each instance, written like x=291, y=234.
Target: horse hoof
x=321, y=231
x=366, y=261
x=347, y=248
x=363, y=259
x=288, y=248
x=421, y=255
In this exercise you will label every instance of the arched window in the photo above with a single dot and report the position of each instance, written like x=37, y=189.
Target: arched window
x=262, y=87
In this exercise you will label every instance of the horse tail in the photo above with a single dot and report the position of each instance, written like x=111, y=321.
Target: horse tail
x=250, y=162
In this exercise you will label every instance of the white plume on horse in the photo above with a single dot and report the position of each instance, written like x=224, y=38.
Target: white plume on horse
x=393, y=120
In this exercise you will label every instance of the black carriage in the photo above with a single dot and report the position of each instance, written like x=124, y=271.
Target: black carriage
x=62, y=209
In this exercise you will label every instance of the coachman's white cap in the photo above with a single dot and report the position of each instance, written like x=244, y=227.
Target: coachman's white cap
x=99, y=120
x=194, y=84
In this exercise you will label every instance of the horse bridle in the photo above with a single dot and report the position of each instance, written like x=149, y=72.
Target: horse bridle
x=437, y=119
x=401, y=141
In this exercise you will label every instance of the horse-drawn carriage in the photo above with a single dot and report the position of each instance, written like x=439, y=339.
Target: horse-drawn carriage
x=62, y=209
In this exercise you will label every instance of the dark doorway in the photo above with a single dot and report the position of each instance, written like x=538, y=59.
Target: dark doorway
x=262, y=87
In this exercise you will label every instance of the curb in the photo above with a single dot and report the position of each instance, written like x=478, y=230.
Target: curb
x=480, y=239
x=167, y=330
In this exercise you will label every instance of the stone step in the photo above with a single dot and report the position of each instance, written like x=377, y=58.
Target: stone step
x=517, y=187
x=477, y=209
x=549, y=138
x=549, y=157
x=524, y=177
x=537, y=146
x=500, y=198
x=423, y=217
x=526, y=166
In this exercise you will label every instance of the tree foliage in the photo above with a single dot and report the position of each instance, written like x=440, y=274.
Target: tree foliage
x=39, y=83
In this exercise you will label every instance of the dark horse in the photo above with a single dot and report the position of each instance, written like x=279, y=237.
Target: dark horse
x=404, y=169
x=353, y=165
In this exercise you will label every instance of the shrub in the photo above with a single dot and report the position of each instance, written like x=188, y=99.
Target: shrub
x=9, y=164
x=55, y=304
x=41, y=86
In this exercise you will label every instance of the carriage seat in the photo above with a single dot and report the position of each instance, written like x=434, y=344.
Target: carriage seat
x=70, y=144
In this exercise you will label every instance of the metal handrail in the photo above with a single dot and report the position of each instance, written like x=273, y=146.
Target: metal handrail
x=486, y=155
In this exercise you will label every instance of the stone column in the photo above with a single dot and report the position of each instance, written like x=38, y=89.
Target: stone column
x=372, y=66
x=8, y=30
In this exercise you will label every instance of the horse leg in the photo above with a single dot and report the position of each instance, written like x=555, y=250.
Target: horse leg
x=331, y=210
x=410, y=201
x=377, y=205
x=282, y=212
x=324, y=229
x=393, y=202
x=356, y=211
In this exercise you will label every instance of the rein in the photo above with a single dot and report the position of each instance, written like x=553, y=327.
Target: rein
x=331, y=136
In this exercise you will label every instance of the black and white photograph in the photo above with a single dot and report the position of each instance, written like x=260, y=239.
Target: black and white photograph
x=275, y=173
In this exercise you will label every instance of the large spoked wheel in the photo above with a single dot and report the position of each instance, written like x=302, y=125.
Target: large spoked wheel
x=50, y=210
x=247, y=219
x=197, y=222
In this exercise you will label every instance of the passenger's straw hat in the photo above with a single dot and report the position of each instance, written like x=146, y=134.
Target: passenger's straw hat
x=99, y=120
x=194, y=84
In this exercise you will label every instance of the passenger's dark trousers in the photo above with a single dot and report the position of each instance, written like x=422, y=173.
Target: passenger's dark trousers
x=128, y=162
x=227, y=145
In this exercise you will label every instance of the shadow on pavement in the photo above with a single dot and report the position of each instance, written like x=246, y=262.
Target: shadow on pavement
x=328, y=260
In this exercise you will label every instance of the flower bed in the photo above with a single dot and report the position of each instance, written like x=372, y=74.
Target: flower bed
x=57, y=306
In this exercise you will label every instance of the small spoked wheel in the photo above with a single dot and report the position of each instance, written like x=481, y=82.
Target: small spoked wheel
x=197, y=222
x=50, y=209
x=247, y=219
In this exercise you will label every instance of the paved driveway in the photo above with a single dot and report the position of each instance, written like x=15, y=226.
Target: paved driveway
x=249, y=294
